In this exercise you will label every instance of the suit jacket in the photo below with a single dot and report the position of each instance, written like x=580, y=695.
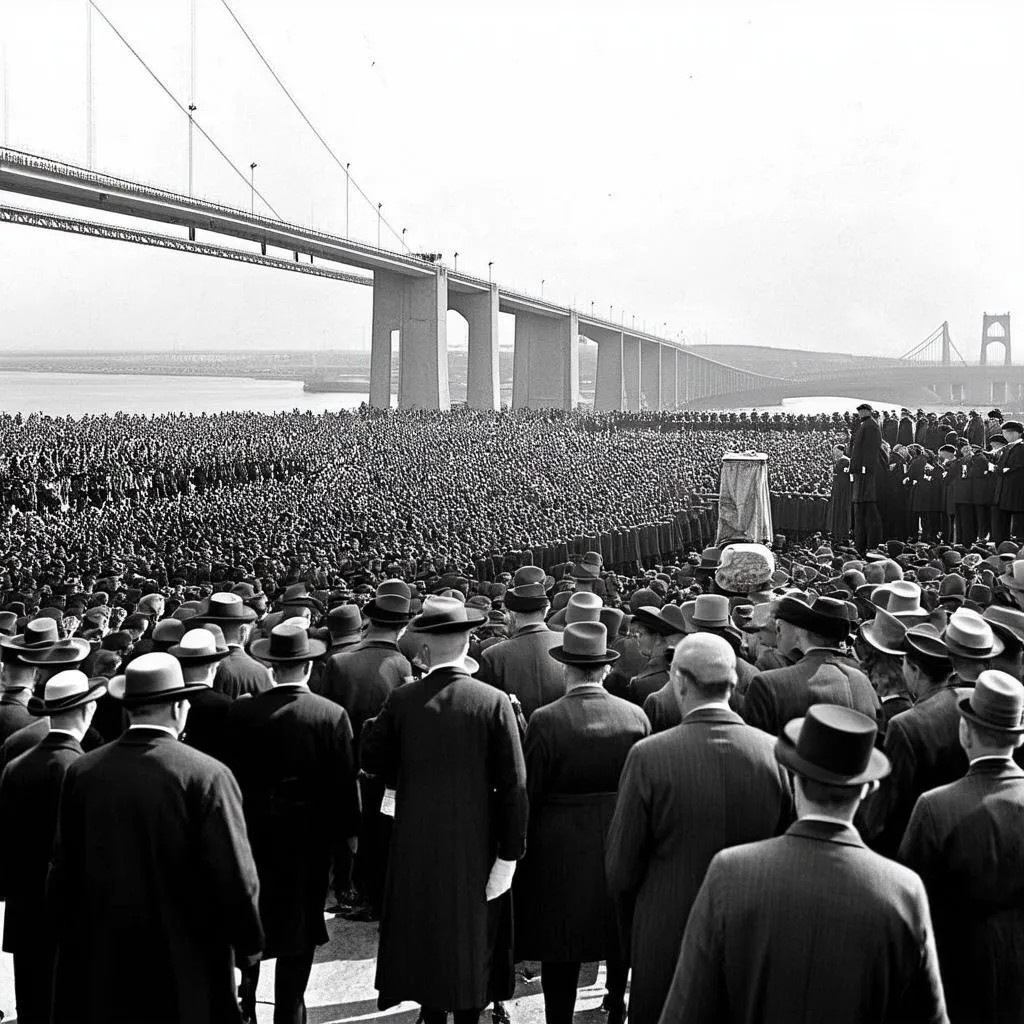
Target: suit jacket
x=207, y=717
x=522, y=666
x=575, y=748
x=630, y=662
x=685, y=794
x=966, y=842
x=662, y=709
x=923, y=746
x=811, y=926
x=820, y=677
x=238, y=673
x=152, y=860
x=650, y=679
x=14, y=712
x=1011, y=494
x=865, y=456
x=361, y=678
x=29, y=796
x=291, y=751
x=451, y=746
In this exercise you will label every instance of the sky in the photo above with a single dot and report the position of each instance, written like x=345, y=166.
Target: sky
x=839, y=176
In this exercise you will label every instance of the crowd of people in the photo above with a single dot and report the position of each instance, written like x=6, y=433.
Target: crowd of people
x=488, y=680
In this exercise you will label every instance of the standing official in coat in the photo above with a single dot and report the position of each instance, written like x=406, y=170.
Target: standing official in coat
x=199, y=652
x=1011, y=493
x=865, y=465
x=811, y=926
x=29, y=798
x=291, y=751
x=708, y=783
x=966, y=843
x=575, y=748
x=17, y=678
x=449, y=746
x=152, y=892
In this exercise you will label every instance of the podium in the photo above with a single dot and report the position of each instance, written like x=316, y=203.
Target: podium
x=744, y=506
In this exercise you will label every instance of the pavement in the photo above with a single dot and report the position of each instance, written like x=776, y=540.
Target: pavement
x=341, y=988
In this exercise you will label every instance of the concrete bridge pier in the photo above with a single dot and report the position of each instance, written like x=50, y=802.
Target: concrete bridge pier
x=483, y=383
x=650, y=374
x=546, y=364
x=631, y=373
x=669, y=361
x=610, y=385
x=417, y=308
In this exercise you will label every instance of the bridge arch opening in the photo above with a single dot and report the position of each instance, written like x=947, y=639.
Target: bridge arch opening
x=588, y=372
x=458, y=355
x=995, y=331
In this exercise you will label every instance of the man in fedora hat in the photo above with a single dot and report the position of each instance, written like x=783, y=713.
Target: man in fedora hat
x=450, y=747
x=151, y=854
x=343, y=629
x=823, y=675
x=238, y=673
x=200, y=651
x=29, y=797
x=291, y=751
x=656, y=635
x=17, y=677
x=669, y=622
x=865, y=467
x=812, y=925
x=964, y=840
x=575, y=748
x=520, y=666
x=666, y=829
x=883, y=643
x=360, y=679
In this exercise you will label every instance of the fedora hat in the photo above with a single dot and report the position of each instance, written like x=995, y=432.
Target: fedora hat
x=927, y=641
x=834, y=745
x=532, y=574
x=902, y=599
x=297, y=596
x=66, y=691
x=8, y=624
x=827, y=616
x=581, y=607
x=446, y=615
x=968, y=635
x=1013, y=577
x=388, y=607
x=345, y=620
x=665, y=621
x=584, y=643
x=885, y=633
x=39, y=633
x=953, y=589
x=288, y=643
x=71, y=651
x=199, y=647
x=531, y=596
x=612, y=620
x=996, y=702
x=1011, y=619
x=711, y=611
x=226, y=607
x=168, y=631
x=761, y=619
x=153, y=678
x=588, y=567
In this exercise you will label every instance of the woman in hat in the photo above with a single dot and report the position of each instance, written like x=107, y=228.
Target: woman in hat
x=575, y=749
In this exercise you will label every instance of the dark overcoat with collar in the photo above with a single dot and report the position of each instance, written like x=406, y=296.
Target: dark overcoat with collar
x=811, y=926
x=575, y=749
x=239, y=673
x=291, y=751
x=13, y=712
x=924, y=750
x=966, y=842
x=522, y=666
x=651, y=678
x=450, y=745
x=820, y=677
x=207, y=720
x=1011, y=493
x=865, y=459
x=29, y=796
x=685, y=794
x=152, y=891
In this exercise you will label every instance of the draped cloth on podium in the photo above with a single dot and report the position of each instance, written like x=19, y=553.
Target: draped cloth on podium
x=744, y=506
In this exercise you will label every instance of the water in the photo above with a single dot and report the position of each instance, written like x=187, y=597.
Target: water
x=78, y=394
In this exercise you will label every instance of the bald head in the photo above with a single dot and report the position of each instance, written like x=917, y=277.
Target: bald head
x=703, y=669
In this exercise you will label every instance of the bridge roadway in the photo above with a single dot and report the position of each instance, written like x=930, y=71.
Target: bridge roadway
x=636, y=370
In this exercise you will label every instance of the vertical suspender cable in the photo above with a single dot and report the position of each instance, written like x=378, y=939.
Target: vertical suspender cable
x=89, y=140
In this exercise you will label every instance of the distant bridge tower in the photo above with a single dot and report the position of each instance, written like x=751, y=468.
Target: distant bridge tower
x=995, y=327
x=945, y=343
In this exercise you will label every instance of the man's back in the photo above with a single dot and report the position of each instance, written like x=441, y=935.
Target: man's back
x=152, y=860
x=13, y=713
x=820, y=677
x=685, y=794
x=966, y=842
x=521, y=666
x=811, y=926
x=239, y=673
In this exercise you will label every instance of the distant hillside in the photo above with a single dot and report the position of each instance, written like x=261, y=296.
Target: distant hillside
x=784, y=362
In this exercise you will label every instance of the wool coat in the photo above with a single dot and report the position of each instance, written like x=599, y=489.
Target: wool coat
x=811, y=926
x=685, y=794
x=207, y=717
x=575, y=749
x=521, y=666
x=821, y=676
x=1011, y=493
x=865, y=460
x=238, y=673
x=651, y=678
x=965, y=841
x=14, y=712
x=451, y=745
x=291, y=751
x=152, y=891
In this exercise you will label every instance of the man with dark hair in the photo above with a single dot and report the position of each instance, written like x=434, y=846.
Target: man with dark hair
x=666, y=830
x=965, y=841
x=237, y=673
x=811, y=926
x=865, y=464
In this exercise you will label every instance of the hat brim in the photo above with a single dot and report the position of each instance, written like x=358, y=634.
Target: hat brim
x=654, y=622
x=966, y=711
x=558, y=653
x=70, y=652
x=878, y=766
x=42, y=708
x=384, y=617
x=260, y=650
x=959, y=651
x=198, y=658
x=525, y=604
x=869, y=638
x=707, y=623
x=116, y=689
x=249, y=616
x=575, y=574
x=1009, y=582
x=472, y=620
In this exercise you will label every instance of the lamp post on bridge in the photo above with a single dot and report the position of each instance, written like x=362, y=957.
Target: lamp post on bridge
x=542, y=287
x=252, y=187
x=489, y=267
x=379, y=217
x=348, y=178
x=404, y=246
x=192, y=108
x=456, y=261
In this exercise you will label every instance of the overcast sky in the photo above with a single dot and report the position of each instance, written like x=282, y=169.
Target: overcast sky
x=834, y=175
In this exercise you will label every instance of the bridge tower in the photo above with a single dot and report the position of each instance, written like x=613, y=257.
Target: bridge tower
x=945, y=343
x=995, y=327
